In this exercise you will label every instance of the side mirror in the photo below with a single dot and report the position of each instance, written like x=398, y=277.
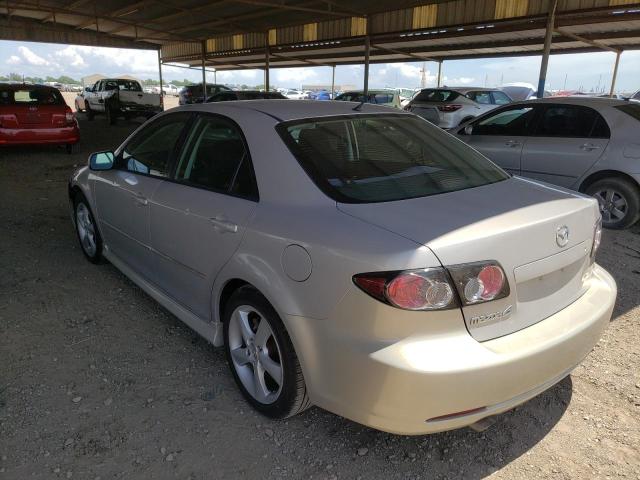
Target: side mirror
x=101, y=161
x=468, y=130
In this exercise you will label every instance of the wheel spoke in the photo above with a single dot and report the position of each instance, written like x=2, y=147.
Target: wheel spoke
x=260, y=388
x=245, y=328
x=617, y=213
x=620, y=203
x=240, y=356
x=609, y=196
x=272, y=368
x=263, y=333
x=606, y=215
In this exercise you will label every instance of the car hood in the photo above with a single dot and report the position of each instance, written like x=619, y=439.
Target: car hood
x=514, y=222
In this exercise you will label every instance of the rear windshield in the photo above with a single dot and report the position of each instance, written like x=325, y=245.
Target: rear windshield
x=431, y=95
x=127, y=85
x=31, y=96
x=630, y=109
x=381, y=158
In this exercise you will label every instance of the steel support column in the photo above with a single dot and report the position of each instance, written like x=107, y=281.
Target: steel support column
x=333, y=82
x=160, y=74
x=615, y=73
x=204, y=71
x=439, y=79
x=367, y=47
x=548, y=38
x=266, y=66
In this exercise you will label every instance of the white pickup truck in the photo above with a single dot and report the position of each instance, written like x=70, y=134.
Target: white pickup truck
x=118, y=97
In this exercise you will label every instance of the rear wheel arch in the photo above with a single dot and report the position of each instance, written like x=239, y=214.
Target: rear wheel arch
x=605, y=174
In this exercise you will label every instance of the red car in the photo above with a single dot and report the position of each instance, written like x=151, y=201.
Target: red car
x=36, y=114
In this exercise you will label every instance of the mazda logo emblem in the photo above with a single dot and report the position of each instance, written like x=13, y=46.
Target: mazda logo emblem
x=562, y=236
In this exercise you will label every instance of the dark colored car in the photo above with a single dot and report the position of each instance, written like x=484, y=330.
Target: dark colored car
x=193, y=93
x=36, y=114
x=245, y=95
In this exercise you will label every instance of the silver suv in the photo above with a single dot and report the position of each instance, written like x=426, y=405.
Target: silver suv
x=449, y=107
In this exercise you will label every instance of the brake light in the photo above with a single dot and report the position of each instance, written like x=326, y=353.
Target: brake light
x=597, y=238
x=479, y=282
x=436, y=288
x=69, y=118
x=425, y=289
x=449, y=107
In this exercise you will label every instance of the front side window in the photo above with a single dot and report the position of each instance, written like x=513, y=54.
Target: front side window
x=483, y=98
x=500, y=98
x=572, y=121
x=216, y=158
x=150, y=151
x=378, y=158
x=382, y=98
x=509, y=121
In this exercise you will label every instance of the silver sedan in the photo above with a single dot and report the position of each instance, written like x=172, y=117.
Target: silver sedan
x=351, y=257
x=587, y=144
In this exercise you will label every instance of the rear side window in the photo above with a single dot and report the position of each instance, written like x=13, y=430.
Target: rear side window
x=216, y=158
x=381, y=98
x=431, y=95
x=31, y=96
x=500, y=98
x=572, y=121
x=378, y=158
x=630, y=109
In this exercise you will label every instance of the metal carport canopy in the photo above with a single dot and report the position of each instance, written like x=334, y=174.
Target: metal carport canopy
x=243, y=34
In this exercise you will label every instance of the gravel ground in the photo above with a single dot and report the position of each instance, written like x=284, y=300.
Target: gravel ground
x=98, y=381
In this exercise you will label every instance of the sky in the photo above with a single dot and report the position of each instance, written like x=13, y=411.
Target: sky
x=569, y=71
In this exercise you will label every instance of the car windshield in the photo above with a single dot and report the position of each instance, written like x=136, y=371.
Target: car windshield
x=31, y=96
x=380, y=158
x=437, y=96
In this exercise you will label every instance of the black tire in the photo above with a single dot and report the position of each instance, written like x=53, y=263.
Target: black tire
x=292, y=398
x=625, y=192
x=88, y=112
x=94, y=257
x=111, y=116
x=71, y=148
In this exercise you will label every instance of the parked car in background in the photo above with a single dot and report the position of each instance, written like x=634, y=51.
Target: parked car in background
x=294, y=94
x=193, y=93
x=320, y=95
x=449, y=107
x=119, y=97
x=519, y=91
x=362, y=261
x=587, y=144
x=388, y=98
x=80, y=102
x=635, y=97
x=36, y=115
x=167, y=89
x=245, y=95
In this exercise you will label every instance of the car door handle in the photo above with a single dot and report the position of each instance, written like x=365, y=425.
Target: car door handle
x=512, y=143
x=223, y=226
x=141, y=200
x=589, y=147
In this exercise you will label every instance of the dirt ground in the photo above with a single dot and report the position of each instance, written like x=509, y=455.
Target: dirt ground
x=99, y=382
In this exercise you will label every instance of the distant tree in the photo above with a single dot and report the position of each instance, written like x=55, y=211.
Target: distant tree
x=15, y=77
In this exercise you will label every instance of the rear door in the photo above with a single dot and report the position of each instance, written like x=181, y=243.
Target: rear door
x=500, y=136
x=568, y=140
x=123, y=194
x=198, y=219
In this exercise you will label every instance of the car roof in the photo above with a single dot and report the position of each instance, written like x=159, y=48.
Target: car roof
x=580, y=100
x=372, y=90
x=464, y=90
x=284, y=109
x=21, y=86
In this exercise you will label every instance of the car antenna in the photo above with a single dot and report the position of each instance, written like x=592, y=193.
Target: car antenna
x=359, y=106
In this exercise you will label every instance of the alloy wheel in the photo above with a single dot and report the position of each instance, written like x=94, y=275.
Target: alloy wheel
x=86, y=229
x=255, y=354
x=613, y=205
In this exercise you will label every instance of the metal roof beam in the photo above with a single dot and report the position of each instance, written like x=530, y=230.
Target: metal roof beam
x=299, y=8
x=579, y=38
x=52, y=16
x=299, y=59
x=407, y=54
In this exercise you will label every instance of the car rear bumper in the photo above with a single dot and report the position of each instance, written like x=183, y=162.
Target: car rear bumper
x=423, y=383
x=38, y=136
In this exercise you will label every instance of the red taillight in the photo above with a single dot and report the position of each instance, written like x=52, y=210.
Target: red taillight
x=69, y=117
x=449, y=107
x=425, y=289
x=479, y=282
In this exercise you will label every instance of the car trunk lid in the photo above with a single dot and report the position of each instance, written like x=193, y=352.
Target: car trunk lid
x=515, y=222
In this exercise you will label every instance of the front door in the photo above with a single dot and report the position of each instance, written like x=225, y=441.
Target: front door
x=123, y=194
x=567, y=141
x=198, y=219
x=501, y=135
